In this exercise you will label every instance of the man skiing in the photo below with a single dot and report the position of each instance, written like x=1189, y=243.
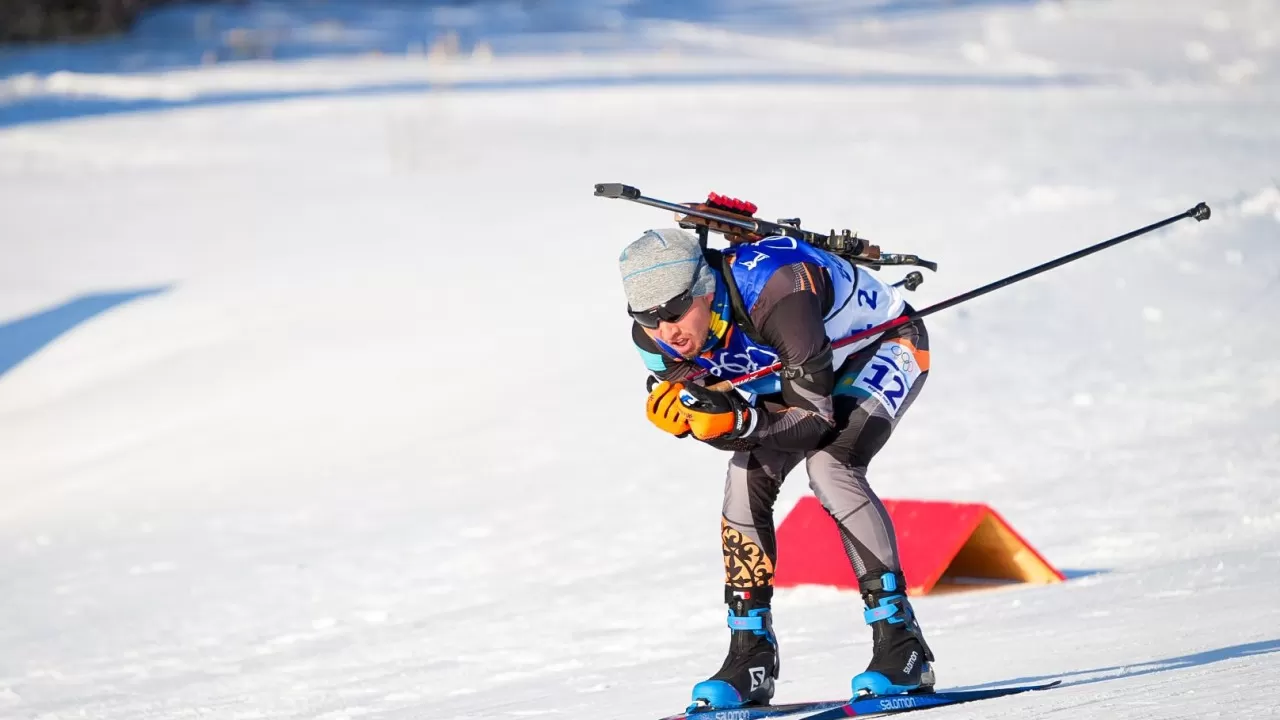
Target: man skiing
x=730, y=312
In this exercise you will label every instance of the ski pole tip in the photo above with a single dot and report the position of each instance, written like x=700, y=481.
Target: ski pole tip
x=1199, y=212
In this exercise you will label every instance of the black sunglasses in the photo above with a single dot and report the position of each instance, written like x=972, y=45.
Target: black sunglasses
x=670, y=311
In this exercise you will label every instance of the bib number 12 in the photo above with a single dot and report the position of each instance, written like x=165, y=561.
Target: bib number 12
x=887, y=377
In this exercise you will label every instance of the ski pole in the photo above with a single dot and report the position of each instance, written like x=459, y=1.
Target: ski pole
x=1200, y=212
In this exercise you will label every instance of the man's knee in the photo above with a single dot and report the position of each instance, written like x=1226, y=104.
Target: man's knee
x=835, y=481
x=752, y=484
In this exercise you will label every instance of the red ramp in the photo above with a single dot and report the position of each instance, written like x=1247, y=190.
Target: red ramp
x=943, y=546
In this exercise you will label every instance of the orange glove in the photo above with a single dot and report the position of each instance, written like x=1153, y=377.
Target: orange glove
x=714, y=415
x=664, y=409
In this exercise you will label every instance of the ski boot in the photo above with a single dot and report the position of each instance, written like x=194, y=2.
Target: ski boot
x=748, y=674
x=900, y=659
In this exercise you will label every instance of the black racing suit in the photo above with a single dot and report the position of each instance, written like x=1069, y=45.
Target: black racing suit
x=835, y=434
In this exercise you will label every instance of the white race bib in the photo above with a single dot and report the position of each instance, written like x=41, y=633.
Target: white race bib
x=888, y=376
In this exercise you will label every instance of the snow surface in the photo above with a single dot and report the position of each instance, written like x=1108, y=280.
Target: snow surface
x=378, y=450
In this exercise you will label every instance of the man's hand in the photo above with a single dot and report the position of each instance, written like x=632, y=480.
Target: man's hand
x=664, y=409
x=716, y=415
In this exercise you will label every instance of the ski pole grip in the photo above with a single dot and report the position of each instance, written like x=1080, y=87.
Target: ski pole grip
x=617, y=190
x=1199, y=212
x=720, y=386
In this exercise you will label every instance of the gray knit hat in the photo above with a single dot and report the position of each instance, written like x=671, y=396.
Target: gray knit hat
x=660, y=265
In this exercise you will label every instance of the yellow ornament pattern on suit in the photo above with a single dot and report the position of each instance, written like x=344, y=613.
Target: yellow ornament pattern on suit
x=746, y=565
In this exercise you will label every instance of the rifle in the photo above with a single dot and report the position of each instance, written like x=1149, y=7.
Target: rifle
x=735, y=220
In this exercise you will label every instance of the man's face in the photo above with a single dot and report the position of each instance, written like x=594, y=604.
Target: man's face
x=688, y=334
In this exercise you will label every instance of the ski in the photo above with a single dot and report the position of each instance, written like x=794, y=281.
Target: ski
x=894, y=704
x=860, y=707
x=758, y=712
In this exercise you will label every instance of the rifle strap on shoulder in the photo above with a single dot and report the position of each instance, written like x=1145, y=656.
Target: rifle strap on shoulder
x=741, y=316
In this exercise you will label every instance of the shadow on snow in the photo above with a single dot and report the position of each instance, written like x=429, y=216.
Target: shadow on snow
x=1139, y=669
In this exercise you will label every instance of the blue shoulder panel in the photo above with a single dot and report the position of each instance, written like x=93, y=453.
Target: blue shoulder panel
x=754, y=263
x=652, y=361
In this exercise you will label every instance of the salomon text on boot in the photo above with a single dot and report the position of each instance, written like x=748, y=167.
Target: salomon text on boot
x=749, y=671
x=900, y=659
